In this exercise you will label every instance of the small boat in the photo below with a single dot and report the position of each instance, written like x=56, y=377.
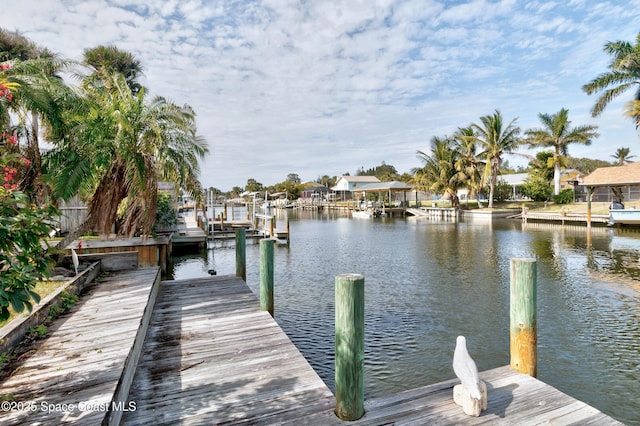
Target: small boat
x=624, y=217
x=362, y=214
x=367, y=214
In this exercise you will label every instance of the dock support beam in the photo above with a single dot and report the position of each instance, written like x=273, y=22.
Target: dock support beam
x=266, y=275
x=349, y=362
x=523, y=322
x=241, y=253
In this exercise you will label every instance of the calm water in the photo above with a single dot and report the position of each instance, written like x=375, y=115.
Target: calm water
x=427, y=282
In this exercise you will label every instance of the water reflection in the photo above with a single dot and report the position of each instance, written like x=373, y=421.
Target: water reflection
x=428, y=281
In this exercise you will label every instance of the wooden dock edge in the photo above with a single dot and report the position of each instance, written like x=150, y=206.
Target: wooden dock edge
x=12, y=334
x=110, y=262
x=121, y=394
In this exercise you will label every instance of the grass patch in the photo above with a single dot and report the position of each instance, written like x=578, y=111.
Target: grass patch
x=43, y=288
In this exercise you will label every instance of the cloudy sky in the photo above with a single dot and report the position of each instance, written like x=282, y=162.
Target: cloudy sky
x=317, y=87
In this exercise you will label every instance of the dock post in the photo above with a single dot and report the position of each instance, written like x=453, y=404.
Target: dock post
x=272, y=224
x=589, y=189
x=523, y=327
x=349, y=362
x=266, y=275
x=288, y=233
x=241, y=253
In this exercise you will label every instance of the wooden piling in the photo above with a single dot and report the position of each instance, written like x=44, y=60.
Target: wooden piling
x=272, y=225
x=241, y=253
x=349, y=361
x=266, y=275
x=523, y=327
x=589, y=189
x=288, y=233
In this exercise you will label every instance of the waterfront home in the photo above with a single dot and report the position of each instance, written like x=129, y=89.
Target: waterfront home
x=346, y=185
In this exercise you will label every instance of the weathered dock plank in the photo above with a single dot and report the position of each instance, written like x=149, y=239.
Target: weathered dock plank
x=513, y=398
x=212, y=357
x=72, y=375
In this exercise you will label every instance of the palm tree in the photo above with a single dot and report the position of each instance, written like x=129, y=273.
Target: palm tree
x=495, y=140
x=439, y=174
x=120, y=147
x=558, y=134
x=468, y=164
x=622, y=156
x=624, y=74
x=112, y=60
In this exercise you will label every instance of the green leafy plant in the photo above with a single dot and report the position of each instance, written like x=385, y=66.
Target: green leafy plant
x=537, y=188
x=39, y=329
x=67, y=300
x=564, y=197
x=166, y=217
x=503, y=191
x=24, y=260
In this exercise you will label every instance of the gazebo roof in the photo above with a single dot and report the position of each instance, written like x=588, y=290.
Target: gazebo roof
x=616, y=175
x=393, y=185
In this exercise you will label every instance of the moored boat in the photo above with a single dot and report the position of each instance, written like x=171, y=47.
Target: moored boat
x=624, y=217
x=362, y=214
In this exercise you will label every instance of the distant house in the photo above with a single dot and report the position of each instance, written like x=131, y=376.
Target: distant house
x=313, y=191
x=625, y=179
x=353, y=183
x=347, y=185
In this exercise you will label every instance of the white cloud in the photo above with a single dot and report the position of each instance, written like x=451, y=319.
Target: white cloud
x=325, y=87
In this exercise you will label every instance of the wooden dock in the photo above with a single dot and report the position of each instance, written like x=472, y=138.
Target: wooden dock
x=87, y=359
x=574, y=218
x=210, y=356
x=189, y=233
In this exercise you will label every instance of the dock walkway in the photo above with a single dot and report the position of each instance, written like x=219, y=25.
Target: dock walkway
x=212, y=357
x=85, y=362
x=189, y=233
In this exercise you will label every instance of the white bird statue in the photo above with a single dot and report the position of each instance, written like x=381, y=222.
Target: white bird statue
x=465, y=368
x=74, y=257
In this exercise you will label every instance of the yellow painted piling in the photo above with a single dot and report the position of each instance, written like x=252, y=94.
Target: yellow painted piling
x=523, y=322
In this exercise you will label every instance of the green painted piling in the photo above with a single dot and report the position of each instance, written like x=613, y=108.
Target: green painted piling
x=523, y=322
x=241, y=253
x=266, y=275
x=349, y=361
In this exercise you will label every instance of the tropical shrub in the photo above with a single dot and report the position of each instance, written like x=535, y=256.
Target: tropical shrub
x=564, y=197
x=503, y=191
x=537, y=188
x=166, y=217
x=24, y=228
x=23, y=255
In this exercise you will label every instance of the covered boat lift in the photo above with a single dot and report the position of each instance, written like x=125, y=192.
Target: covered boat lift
x=388, y=188
x=617, y=179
